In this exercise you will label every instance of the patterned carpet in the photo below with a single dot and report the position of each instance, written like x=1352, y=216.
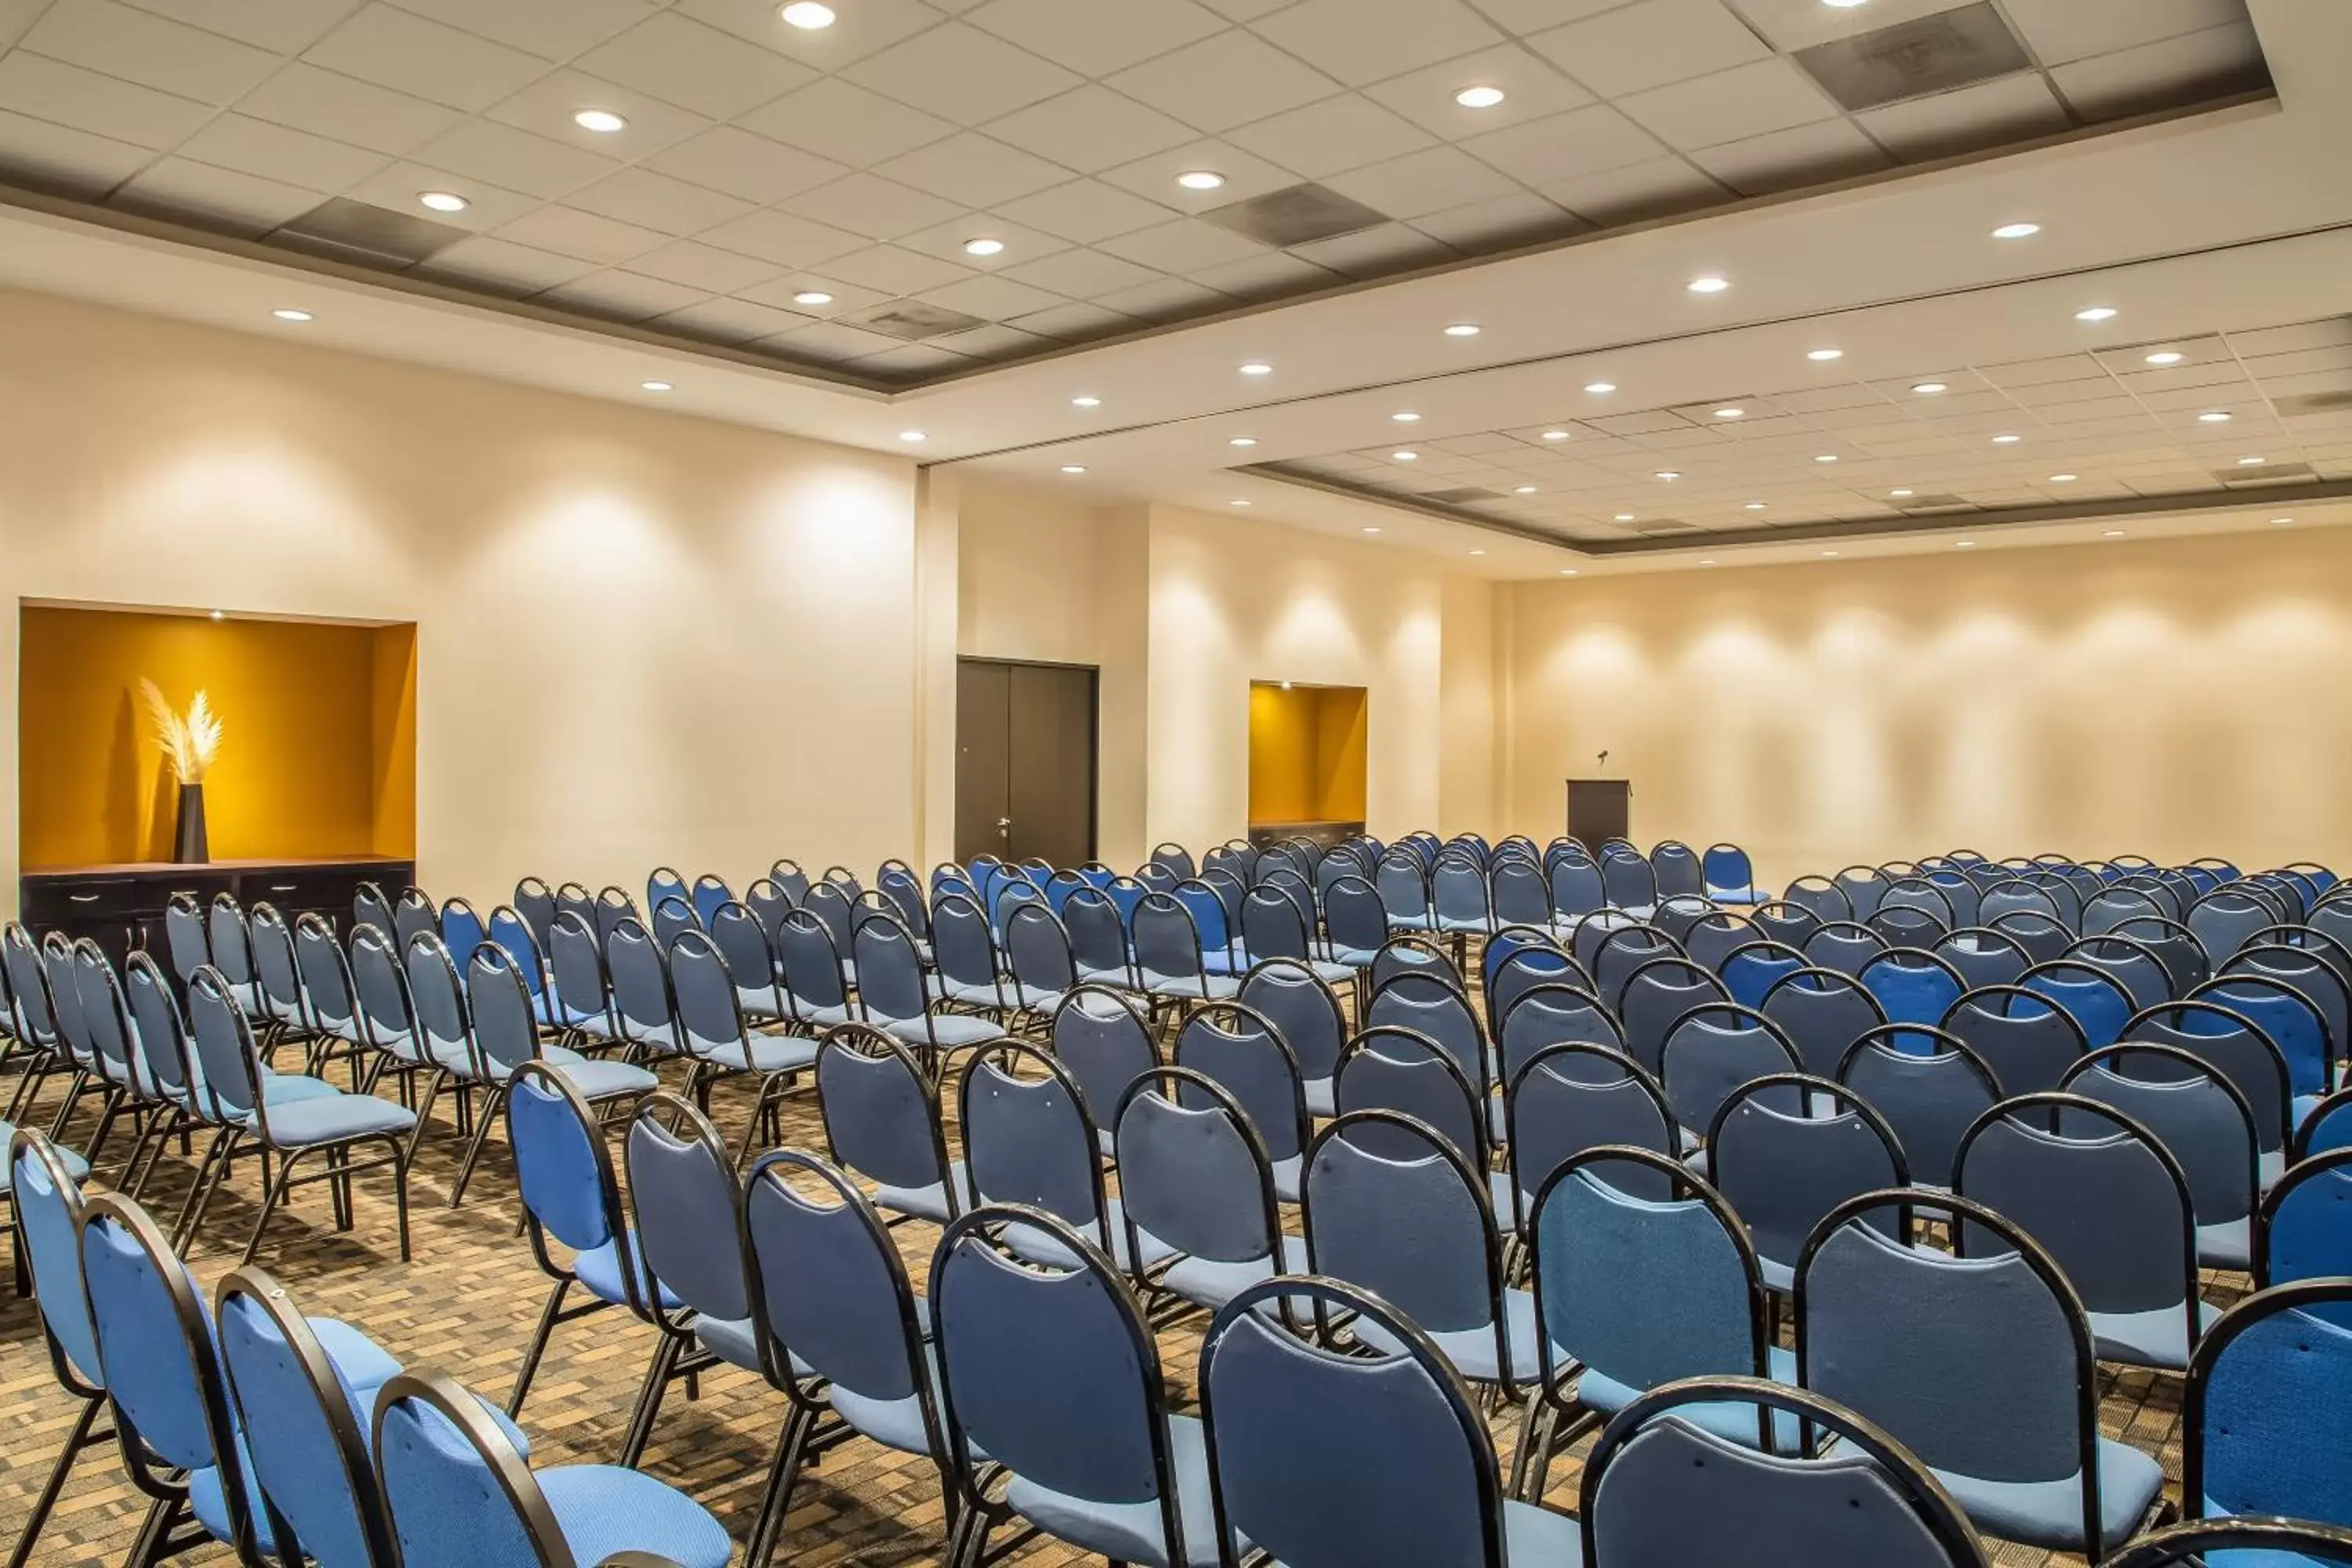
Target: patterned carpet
x=467, y=1306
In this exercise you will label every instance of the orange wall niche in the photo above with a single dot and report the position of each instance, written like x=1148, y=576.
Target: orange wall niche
x=318, y=756
x=1307, y=752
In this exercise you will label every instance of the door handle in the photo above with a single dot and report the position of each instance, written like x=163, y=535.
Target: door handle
x=1004, y=828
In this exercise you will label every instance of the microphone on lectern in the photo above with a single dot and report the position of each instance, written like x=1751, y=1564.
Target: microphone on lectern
x=1604, y=758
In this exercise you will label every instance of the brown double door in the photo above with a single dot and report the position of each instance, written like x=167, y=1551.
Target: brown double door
x=1025, y=761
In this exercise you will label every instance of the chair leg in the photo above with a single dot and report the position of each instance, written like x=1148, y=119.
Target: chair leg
x=770, y=1522
x=538, y=1348
x=209, y=1175
x=65, y=1112
x=112, y=1101
x=494, y=1100
x=425, y=1112
x=400, y=1165
x=148, y=1549
x=1521, y=1455
x=649, y=1399
x=274, y=1195
x=76, y=1441
x=339, y=1186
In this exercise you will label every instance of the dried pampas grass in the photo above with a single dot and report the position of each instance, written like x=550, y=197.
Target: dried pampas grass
x=193, y=744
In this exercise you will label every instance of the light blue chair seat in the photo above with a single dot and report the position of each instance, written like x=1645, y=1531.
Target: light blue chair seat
x=325, y=1119
x=1355, y=957
x=949, y=1029
x=76, y=1167
x=598, y=1270
x=762, y=1002
x=1116, y=976
x=735, y=1341
x=597, y=1080
x=766, y=1053
x=1412, y=922
x=1733, y=1422
x=1287, y=1175
x=822, y=1018
x=1219, y=960
x=1333, y=973
x=929, y=1203
x=2305, y=1104
x=1537, y=1535
x=1472, y=1351
x=1033, y=1244
x=2158, y=1338
x=1212, y=1284
x=970, y=993
x=2050, y=1513
x=1207, y=987
x=1036, y=998
x=2229, y=1244
x=1322, y=1096
x=1130, y=1533
x=604, y=1508
x=893, y=1423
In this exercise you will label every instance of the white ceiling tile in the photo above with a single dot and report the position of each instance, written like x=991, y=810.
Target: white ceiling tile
x=282, y=27
x=1792, y=25
x=1222, y=82
x=1650, y=44
x=1089, y=129
x=218, y=198
x=1527, y=17
x=1243, y=10
x=874, y=206
x=276, y=152
x=1369, y=252
x=1157, y=301
x=152, y=51
x=656, y=201
x=1566, y=146
x=486, y=150
x=974, y=170
x=398, y=186
x=831, y=341
x=995, y=340
x=102, y=105
x=1361, y=41
x=1081, y=274
x=1264, y=275
x=1095, y=38
x=683, y=62
x=1074, y=321
x=347, y=109
x=1989, y=114
x=2064, y=30
x=552, y=29
x=503, y=266
x=846, y=124
x=56, y=157
x=779, y=237
x=706, y=268
x=1653, y=189
x=729, y=321
x=623, y=296
x=1422, y=183
x=1786, y=159
x=912, y=360
x=1086, y=211
x=741, y=164
x=2154, y=74
x=1246, y=175
x=1533, y=90
x=1746, y=100
x=991, y=298
x=958, y=71
x=945, y=241
x=1186, y=245
x=1520, y=218
x=568, y=231
x=1343, y=132
x=895, y=271
x=406, y=52
x=847, y=297
x=859, y=29
x=546, y=107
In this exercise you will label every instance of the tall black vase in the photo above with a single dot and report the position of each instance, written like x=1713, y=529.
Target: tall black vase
x=188, y=846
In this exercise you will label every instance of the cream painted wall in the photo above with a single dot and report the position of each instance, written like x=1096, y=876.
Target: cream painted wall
x=642, y=637
x=2169, y=698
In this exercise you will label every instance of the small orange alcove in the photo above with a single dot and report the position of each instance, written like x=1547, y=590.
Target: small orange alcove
x=1307, y=753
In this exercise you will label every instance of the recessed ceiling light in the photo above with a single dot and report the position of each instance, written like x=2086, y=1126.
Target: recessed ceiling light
x=2252, y=462
x=2007, y=440
x=1370, y=529
x=1200, y=179
x=1523, y=490
x=290, y=315
x=811, y=297
x=2063, y=478
x=912, y=435
x=1707, y=285
x=1755, y=506
x=1824, y=356
x=1709, y=562
x=2017, y=231
x=443, y=201
x=1826, y=457
x=2112, y=533
x=1074, y=468
x=2166, y=356
x=1624, y=516
x=982, y=247
x=1831, y=553
x=807, y=15
x=1477, y=552
x=1902, y=495
x=1086, y=403
x=2096, y=313
x=1237, y=502
x=1929, y=389
x=1462, y=329
x=1405, y=457
x=1567, y=570
x=1669, y=474
x=603, y=121
x=2281, y=520
x=220, y=615
x=654, y=385
x=1406, y=416
x=1242, y=441
x=1731, y=414
x=1964, y=544
x=1601, y=388
x=1255, y=368
x=1845, y=5
x=1480, y=96
x=2213, y=416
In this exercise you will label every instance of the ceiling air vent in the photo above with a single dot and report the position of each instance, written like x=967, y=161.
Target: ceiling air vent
x=1461, y=497
x=2266, y=473
x=911, y=319
x=1932, y=54
x=2312, y=402
x=1295, y=216
x=354, y=231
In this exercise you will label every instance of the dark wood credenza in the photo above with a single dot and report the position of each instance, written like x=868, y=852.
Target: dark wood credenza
x=120, y=907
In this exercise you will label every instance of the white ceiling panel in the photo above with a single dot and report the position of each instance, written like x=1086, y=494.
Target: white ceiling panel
x=2007, y=108
x=749, y=167
x=1654, y=187
x=681, y=62
x=504, y=265
x=347, y=109
x=2064, y=30
x=408, y=53
x=960, y=73
x=61, y=158
x=1084, y=211
x=842, y=121
x=547, y=107
x=1082, y=274
x=1095, y=38
x=552, y=29
x=706, y=266
x=729, y=321
x=858, y=30
x=175, y=186
x=1747, y=101
x=1362, y=41
x=105, y=106
x=138, y=46
x=1521, y=218
x=657, y=202
x=1422, y=183
x=281, y=26
x=278, y=152
x=502, y=155
x=974, y=170
x=1337, y=133
x=1786, y=159
x=2143, y=79
x=780, y=237
x=623, y=296
x=570, y=231
x=1650, y=44
x=1222, y=82
x=1089, y=129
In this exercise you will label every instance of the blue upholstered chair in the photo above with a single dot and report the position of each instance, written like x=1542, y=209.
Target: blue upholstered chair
x=2267, y=1419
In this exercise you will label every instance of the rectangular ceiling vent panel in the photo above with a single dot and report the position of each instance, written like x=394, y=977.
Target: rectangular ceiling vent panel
x=1931, y=54
x=1295, y=216
x=912, y=319
x=2267, y=473
x=355, y=231
x=1937, y=503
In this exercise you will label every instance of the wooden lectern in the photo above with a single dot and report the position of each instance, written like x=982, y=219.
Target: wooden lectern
x=1598, y=809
